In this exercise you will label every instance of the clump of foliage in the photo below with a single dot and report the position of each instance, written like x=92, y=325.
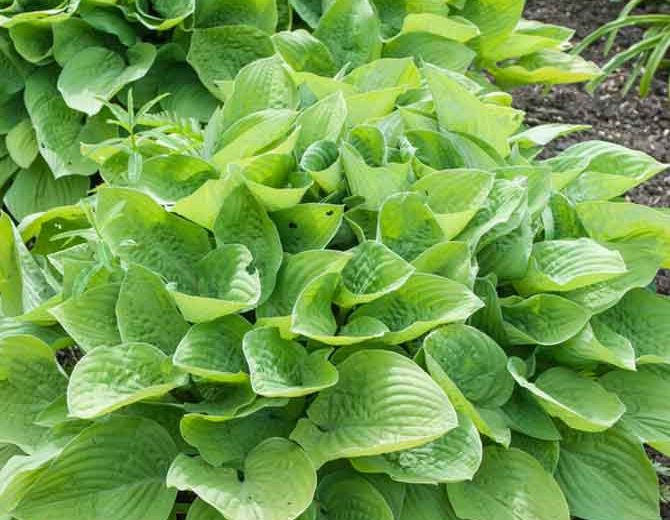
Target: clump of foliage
x=647, y=57
x=61, y=60
x=348, y=295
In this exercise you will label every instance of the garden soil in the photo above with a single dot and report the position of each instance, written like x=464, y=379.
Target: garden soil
x=643, y=124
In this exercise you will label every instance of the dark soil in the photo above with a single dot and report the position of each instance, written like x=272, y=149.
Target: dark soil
x=642, y=124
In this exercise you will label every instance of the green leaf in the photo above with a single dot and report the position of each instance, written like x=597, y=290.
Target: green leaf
x=263, y=84
x=109, y=378
x=359, y=415
x=547, y=66
x=526, y=491
x=560, y=392
x=35, y=190
x=473, y=361
x=459, y=110
x=454, y=457
x=608, y=464
x=407, y=225
x=455, y=196
x=324, y=119
x=524, y=415
x=30, y=379
x=644, y=393
x=113, y=467
x=283, y=368
x=542, y=319
x=448, y=259
x=351, y=30
x=623, y=222
x=146, y=312
x=228, y=442
x=278, y=482
x=215, y=13
x=219, y=53
x=90, y=318
x=344, y=494
x=546, y=452
x=33, y=40
x=313, y=317
x=226, y=282
x=243, y=220
x=58, y=128
x=455, y=27
x=305, y=53
x=372, y=271
x=385, y=73
x=425, y=502
x=429, y=47
x=496, y=19
x=22, y=144
x=565, y=265
x=642, y=318
x=213, y=350
x=307, y=226
x=424, y=302
x=139, y=230
x=96, y=74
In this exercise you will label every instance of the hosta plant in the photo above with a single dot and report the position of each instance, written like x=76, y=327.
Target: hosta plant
x=62, y=60
x=357, y=297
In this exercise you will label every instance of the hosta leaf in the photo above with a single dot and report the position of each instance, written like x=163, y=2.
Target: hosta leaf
x=372, y=271
x=214, y=13
x=560, y=391
x=296, y=272
x=307, y=226
x=277, y=482
x=430, y=47
x=374, y=184
x=455, y=28
x=565, y=265
x=527, y=491
x=138, y=230
x=542, y=319
x=608, y=464
x=644, y=393
x=23, y=285
x=455, y=196
x=219, y=53
x=351, y=30
x=546, y=66
x=146, y=312
x=229, y=442
x=305, y=53
x=109, y=378
x=213, y=350
x=546, y=452
x=344, y=494
x=30, y=379
x=642, y=259
x=114, y=467
x=313, y=317
x=407, y=226
x=22, y=144
x=459, y=110
x=623, y=221
x=90, y=318
x=263, y=84
x=426, y=502
x=523, y=414
x=226, y=282
x=58, y=128
x=359, y=415
x=421, y=304
x=243, y=220
x=473, y=361
x=385, y=73
x=283, y=368
x=33, y=40
x=448, y=259
x=95, y=74
x=642, y=318
x=496, y=19
x=451, y=458
x=35, y=190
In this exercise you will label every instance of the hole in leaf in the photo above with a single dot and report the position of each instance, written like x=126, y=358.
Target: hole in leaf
x=329, y=213
x=240, y=475
x=292, y=225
